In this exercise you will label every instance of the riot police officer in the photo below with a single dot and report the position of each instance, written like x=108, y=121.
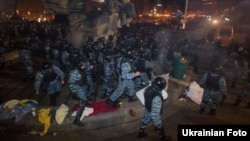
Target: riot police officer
x=89, y=68
x=52, y=77
x=55, y=57
x=78, y=87
x=144, y=65
x=214, y=84
x=153, y=108
x=26, y=58
x=108, y=76
x=126, y=80
x=244, y=91
x=65, y=58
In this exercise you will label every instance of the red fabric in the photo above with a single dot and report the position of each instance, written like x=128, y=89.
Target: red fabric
x=98, y=107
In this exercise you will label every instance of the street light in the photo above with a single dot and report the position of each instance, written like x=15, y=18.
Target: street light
x=184, y=21
x=159, y=3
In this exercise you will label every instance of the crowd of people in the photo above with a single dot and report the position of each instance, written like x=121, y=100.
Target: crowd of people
x=121, y=63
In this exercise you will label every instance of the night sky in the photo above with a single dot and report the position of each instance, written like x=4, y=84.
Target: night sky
x=181, y=2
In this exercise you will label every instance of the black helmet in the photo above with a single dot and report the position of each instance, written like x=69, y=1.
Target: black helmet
x=55, y=53
x=144, y=54
x=76, y=52
x=216, y=68
x=159, y=82
x=129, y=53
x=80, y=63
x=47, y=48
x=45, y=65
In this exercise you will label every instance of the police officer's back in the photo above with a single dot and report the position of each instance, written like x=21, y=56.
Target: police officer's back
x=213, y=83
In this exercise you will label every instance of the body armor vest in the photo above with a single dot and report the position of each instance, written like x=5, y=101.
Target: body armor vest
x=149, y=95
x=83, y=80
x=212, y=82
x=140, y=65
x=49, y=76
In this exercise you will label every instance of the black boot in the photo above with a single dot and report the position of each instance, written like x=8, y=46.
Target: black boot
x=212, y=112
x=52, y=99
x=141, y=133
x=117, y=103
x=77, y=120
x=163, y=137
x=79, y=111
x=132, y=99
x=52, y=115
